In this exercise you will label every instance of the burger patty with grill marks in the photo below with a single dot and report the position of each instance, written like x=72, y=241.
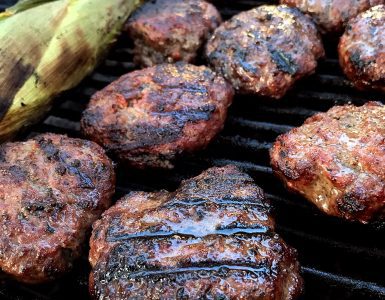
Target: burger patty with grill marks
x=331, y=16
x=362, y=49
x=167, y=31
x=151, y=116
x=264, y=51
x=52, y=188
x=336, y=160
x=213, y=238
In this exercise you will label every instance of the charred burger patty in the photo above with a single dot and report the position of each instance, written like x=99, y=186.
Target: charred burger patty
x=331, y=16
x=52, y=189
x=213, y=238
x=264, y=51
x=149, y=117
x=166, y=31
x=362, y=49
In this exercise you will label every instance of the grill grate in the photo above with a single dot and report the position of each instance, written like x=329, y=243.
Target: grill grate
x=340, y=260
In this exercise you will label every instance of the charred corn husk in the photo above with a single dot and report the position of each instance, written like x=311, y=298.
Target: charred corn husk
x=49, y=46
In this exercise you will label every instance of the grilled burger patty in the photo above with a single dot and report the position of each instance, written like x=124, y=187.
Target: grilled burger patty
x=362, y=49
x=171, y=30
x=265, y=50
x=52, y=189
x=149, y=117
x=331, y=16
x=213, y=238
x=336, y=160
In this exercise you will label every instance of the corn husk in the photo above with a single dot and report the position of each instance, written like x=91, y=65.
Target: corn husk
x=47, y=47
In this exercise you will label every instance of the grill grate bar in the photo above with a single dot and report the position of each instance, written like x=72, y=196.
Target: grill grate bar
x=126, y=65
x=62, y=123
x=244, y=165
x=332, y=97
x=100, y=77
x=363, y=287
x=292, y=111
x=333, y=80
x=299, y=204
x=243, y=142
x=256, y=125
x=87, y=92
x=348, y=248
x=73, y=106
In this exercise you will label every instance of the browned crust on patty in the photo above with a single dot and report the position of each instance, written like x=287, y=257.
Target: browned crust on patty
x=362, y=49
x=149, y=117
x=331, y=16
x=265, y=50
x=52, y=188
x=166, y=31
x=336, y=160
x=212, y=238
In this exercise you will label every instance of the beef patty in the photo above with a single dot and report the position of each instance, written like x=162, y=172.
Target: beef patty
x=166, y=31
x=362, y=49
x=52, y=188
x=151, y=116
x=264, y=51
x=213, y=238
x=336, y=160
x=331, y=16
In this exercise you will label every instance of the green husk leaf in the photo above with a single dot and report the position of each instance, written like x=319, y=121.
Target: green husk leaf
x=49, y=48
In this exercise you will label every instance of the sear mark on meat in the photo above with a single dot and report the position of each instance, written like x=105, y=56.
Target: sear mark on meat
x=150, y=117
x=213, y=238
x=264, y=51
x=52, y=188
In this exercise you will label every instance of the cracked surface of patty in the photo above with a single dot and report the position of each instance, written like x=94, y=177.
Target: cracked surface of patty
x=52, y=188
x=167, y=31
x=362, y=49
x=151, y=116
x=213, y=238
x=336, y=160
x=331, y=16
x=264, y=51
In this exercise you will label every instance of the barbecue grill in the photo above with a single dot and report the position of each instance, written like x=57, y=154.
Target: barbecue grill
x=340, y=260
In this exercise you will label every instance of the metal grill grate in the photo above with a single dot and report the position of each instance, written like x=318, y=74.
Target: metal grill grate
x=340, y=260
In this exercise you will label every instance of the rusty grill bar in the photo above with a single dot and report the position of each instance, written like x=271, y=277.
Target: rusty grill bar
x=340, y=260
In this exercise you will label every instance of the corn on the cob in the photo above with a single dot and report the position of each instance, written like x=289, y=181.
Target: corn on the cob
x=49, y=46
